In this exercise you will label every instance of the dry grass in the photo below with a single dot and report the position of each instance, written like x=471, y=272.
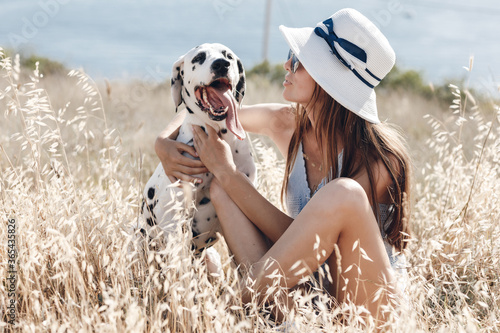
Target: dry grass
x=75, y=156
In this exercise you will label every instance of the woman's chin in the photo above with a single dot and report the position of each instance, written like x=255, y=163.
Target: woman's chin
x=286, y=96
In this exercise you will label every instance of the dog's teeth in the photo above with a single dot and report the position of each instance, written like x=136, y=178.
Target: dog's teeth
x=205, y=96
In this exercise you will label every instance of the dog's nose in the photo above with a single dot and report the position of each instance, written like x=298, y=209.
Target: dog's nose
x=220, y=66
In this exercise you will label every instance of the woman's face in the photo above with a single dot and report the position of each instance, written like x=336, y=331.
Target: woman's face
x=298, y=86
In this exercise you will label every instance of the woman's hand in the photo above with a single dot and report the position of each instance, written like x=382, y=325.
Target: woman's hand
x=176, y=165
x=214, y=152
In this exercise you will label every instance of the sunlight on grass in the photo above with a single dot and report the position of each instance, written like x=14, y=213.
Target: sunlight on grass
x=75, y=156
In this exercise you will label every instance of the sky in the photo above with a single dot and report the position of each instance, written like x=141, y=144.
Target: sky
x=128, y=38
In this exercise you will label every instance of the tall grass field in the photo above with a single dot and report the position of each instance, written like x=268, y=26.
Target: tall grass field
x=75, y=155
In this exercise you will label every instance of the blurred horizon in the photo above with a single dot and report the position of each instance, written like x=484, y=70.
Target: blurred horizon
x=123, y=39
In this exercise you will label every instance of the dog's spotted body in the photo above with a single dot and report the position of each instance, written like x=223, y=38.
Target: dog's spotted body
x=210, y=81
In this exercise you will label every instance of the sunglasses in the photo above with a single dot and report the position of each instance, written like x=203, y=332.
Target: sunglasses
x=295, y=61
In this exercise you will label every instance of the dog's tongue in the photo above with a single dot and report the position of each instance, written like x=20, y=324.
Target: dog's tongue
x=227, y=99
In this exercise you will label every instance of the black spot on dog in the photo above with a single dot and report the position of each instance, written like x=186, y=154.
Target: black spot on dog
x=172, y=82
x=241, y=83
x=224, y=53
x=189, y=110
x=203, y=128
x=207, y=174
x=151, y=193
x=204, y=201
x=142, y=206
x=199, y=58
x=210, y=240
x=194, y=67
x=152, y=207
x=240, y=66
x=187, y=92
x=239, y=88
x=151, y=221
x=143, y=232
x=182, y=72
x=208, y=219
x=248, y=175
x=194, y=229
x=236, y=151
x=224, y=131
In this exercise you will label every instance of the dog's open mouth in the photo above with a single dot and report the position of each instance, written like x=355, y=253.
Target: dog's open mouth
x=218, y=101
x=211, y=98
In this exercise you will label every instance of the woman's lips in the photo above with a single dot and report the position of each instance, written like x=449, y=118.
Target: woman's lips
x=286, y=82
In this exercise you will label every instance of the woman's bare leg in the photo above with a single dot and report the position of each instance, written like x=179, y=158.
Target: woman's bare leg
x=340, y=213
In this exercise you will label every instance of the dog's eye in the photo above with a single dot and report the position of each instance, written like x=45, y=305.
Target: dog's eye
x=230, y=56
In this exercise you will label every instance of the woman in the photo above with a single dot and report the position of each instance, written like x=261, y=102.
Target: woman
x=346, y=178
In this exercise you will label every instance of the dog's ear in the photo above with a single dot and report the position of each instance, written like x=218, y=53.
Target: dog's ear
x=177, y=82
x=239, y=92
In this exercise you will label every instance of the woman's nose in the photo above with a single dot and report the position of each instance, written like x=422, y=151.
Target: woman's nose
x=287, y=65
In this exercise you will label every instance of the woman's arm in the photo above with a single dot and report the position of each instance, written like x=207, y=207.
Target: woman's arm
x=261, y=118
x=276, y=121
x=216, y=155
x=267, y=217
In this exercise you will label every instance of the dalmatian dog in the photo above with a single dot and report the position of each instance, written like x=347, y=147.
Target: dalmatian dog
x=210, y=81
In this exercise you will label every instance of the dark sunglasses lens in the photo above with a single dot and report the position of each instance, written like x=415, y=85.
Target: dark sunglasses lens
x=295, y=62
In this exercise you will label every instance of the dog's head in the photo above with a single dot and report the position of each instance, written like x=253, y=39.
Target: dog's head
x=210, y=80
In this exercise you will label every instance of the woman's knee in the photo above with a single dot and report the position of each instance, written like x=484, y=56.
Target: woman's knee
x=343, y=193
x=343, y=198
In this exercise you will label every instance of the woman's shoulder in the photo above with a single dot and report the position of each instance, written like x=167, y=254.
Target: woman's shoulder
x=382, y=179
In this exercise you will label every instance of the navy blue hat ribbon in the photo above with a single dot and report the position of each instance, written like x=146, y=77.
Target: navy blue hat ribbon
x=349, y=47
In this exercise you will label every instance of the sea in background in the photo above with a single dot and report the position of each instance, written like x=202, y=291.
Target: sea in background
x=123, y=39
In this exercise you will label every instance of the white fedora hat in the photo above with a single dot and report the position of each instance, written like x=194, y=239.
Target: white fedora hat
x=347, y=56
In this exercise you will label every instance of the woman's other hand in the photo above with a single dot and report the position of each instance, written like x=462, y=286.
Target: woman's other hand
x=214, y=152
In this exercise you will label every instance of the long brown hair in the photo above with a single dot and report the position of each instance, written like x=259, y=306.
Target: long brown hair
x=364, y=144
